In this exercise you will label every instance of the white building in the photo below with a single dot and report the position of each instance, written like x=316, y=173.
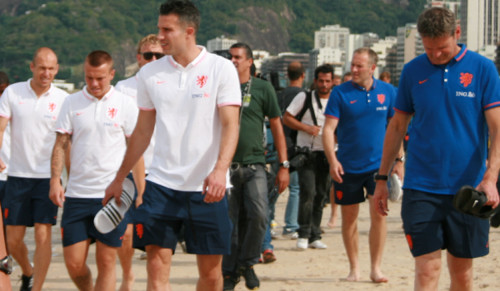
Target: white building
x=450, y=4
x=220, y=43
x=409, y=45
x=480, y=24
x=382, y=48
x=332, y=36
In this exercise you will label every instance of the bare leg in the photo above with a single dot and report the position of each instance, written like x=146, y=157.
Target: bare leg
x=75, y=257
x=351, y=238
x=43, y=254
x=159, y=262
x=378, y=232
x=18, y=249
x=333, y=206
x=427, y=270
x=126, y=253
x=106, y=267
x=460, y=273
x=4, y=278
x=210, y=270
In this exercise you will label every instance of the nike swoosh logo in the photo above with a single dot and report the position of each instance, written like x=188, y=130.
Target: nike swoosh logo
x=354, y=101
x=160, y=82
x=79, y=113
x=20, y=102
x=423, y=81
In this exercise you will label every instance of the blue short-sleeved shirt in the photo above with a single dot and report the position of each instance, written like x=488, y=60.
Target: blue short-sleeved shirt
x=363, y=117
x=448, y=144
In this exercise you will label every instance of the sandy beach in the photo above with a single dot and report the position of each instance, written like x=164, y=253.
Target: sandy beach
x=297, y=270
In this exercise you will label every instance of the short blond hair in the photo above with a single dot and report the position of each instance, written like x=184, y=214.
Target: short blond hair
x=151, y=38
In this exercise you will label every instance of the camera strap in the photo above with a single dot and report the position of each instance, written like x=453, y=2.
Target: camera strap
x=246, y=97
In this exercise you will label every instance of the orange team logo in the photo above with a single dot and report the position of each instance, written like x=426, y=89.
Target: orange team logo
x=201, y=81
x=6, y=213
x=381, y=98
x=410, y=241
x=52, y=107
x=62, y=232
x=339, y=194
x=466, y=79
x=112, y=112
x=139, y=229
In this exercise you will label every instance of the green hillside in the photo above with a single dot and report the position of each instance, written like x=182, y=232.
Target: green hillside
x=73, y=28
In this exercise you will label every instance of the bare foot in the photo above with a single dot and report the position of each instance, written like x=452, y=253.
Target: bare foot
x=379, y=278
x=353, y=276
x=127, y=283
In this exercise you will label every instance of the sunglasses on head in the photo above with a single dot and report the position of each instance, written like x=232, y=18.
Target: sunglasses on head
x=149, y=55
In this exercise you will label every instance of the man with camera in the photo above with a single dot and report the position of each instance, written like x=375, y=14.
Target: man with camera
x=359, y=110
x=309, y=159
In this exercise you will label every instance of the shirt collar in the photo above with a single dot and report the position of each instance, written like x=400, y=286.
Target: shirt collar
x=461, y=54
x=93, y=98
x=374, y=85
x=194, y=63
x=28, y=84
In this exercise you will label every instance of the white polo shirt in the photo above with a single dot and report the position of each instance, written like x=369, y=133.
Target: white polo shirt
x=5, y=153
x=129, y=87
x=98, y=129
x=32, y=121
x=188, y=128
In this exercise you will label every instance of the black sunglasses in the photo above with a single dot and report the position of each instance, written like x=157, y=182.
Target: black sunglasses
x=149, y=55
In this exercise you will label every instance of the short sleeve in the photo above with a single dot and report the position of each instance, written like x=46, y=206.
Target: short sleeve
x=5, y=103
x=333, y=106
x=64, y=123
x=272, y=108
x=297, y=104
x=132, y=113
x=229, y=91
x=404, y=96
x=491, y=86
x=144, y=101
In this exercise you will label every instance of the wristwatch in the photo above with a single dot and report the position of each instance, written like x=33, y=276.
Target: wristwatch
x=378, y=177
x=400, y=159
x=285, y=164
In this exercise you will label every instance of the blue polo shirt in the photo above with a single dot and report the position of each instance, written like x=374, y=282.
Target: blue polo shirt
x=448, y=144
x=363, y=116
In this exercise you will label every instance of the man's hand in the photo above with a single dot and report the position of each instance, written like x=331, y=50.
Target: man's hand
x=336, y=171
x=56, y=193
x=490, y=188
x=380, y=198
x=214, y=186
x=282, y=179
x=2, y=166
x=114, y=190
x=313, y=130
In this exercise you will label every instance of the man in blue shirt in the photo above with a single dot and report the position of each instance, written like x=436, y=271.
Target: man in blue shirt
x=359, y=110
x=453, y=96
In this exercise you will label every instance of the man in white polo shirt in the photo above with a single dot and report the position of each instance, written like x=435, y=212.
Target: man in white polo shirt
x=96, y=121
x=32, y=108
x=148, y=50
x=193, y=99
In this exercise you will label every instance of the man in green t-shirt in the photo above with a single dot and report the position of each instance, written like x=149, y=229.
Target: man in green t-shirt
x=248, y=204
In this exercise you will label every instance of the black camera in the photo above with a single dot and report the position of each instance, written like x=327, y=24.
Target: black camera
x=300, y=157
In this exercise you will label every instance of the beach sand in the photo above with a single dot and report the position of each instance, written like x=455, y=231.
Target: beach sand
x=297, y=270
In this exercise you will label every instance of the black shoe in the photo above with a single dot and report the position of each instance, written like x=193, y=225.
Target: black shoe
x=251, y=280
x=27, y=283
x=230, y=282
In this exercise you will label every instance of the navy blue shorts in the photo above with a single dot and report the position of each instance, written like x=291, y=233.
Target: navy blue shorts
x=27, y=202
x=77, y=223
x=164, y=211
x=352, y=189
x=2, y=190
x=432, y=223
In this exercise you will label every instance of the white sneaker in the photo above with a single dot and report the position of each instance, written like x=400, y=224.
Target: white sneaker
x=317, y=244
x=111, y=214
x=291, y=235
x=302, y=243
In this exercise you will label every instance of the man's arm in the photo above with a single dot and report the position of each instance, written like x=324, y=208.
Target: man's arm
x=3, y=124
x=292, y=122
x=214, y=186
x=57, y=161
x=488, y=184
x=336, y=170
x=139, y=175
x=283, y=177
x=394, y=136
x=137, y=144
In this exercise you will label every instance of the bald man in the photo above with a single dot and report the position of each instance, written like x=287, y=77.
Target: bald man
x=32, y=107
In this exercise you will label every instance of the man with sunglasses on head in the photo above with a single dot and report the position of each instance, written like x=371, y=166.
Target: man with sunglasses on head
x=148, y=50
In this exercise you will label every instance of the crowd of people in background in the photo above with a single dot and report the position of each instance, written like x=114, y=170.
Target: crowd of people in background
x=210, y=147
